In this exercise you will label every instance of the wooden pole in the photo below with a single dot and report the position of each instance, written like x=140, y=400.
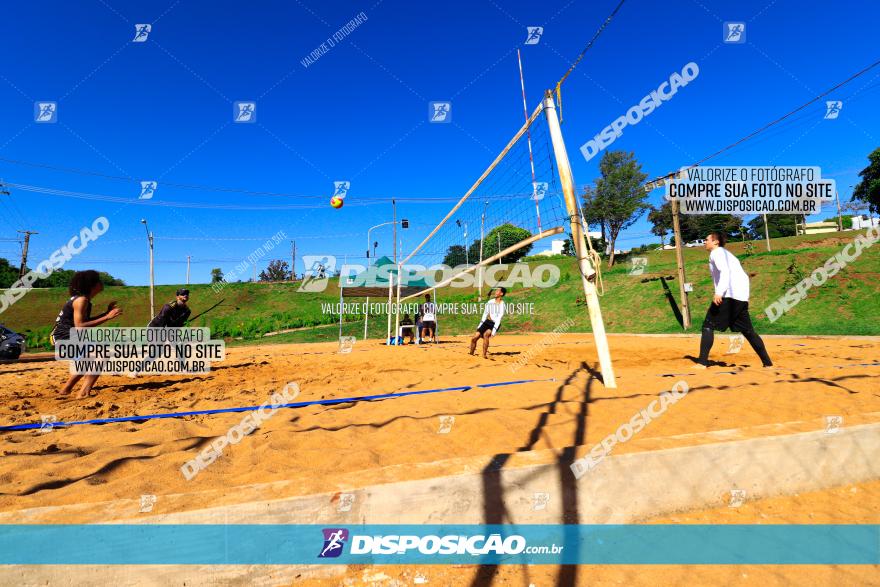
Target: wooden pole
x=24, y=251
x=679, y=260
x=567, y=180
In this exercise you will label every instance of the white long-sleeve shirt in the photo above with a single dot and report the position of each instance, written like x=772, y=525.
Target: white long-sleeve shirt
x=730, y=280
x=494, y=311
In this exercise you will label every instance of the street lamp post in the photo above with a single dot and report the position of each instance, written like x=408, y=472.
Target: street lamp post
x=152, y=281
x=464, y=241
x=376, y=244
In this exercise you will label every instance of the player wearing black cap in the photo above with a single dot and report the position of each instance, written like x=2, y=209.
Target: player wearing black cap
x=173, y=314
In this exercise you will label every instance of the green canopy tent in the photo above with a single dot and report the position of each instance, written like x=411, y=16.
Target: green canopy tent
x=377, y=281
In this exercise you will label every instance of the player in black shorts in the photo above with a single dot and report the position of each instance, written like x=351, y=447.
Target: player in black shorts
x=730, y=304
x=490, y=321
x=77, y=313
x=428, y=311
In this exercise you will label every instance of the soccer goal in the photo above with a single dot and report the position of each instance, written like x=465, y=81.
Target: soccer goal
x=525, y=195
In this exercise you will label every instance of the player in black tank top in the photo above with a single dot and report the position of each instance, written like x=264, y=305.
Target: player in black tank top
x=64, y=321
x=77, y=313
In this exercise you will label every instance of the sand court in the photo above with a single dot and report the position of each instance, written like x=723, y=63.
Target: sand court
x=557, y=415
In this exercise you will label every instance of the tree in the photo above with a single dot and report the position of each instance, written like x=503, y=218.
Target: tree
x=779, y=224
x=868, y=190
x=505, y=235
x=703, y=224
x=108, y=279
x=845, y=219
x=619, y=199
x=693, y=226
x=277, y=270
x=8, y=274
x=58, y=278
x=455, y=256
x=216, y=275
x=661, y=221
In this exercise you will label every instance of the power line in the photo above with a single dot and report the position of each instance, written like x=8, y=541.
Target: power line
x=765, y=127
x=150, y=202
x=362, y=199
x=590, y=44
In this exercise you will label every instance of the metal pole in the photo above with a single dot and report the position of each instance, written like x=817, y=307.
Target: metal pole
x=566, y=179
x=366, y=317
x=388, y=329
x=152, y=284
x=679, y=260
x=152, y=280
x=522, y=84
x=292, y=260
x=341, y=301
x=482, y=223
x=397, y=306
x=767, y=231
x=340, y=306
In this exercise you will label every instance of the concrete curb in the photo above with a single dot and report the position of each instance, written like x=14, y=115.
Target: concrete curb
x=621, y=489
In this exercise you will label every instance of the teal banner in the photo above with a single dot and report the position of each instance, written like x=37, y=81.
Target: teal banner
x=254, y=544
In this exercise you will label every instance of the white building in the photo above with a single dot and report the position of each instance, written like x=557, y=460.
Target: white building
x=860, y=222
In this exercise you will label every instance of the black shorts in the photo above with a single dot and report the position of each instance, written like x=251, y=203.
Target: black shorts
x=732, y=314
x=487, y=325
x=430, y=324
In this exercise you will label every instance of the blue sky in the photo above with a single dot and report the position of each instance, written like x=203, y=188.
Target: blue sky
x=162, y=110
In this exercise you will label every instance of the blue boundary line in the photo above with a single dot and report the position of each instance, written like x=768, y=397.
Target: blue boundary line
x=323, y=402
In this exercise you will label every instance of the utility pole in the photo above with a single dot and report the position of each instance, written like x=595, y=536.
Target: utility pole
x=293, y=260
x=767, y=231
x=839, y=216
x=188, y=257
x=24, y=251
x=152, y=280
x=679, y=259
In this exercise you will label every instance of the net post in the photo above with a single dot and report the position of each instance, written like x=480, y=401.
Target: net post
x=566, y=179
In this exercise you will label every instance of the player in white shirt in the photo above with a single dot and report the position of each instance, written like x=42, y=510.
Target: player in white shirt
x=730, y=304
x=428, y=312
x=490, y=321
